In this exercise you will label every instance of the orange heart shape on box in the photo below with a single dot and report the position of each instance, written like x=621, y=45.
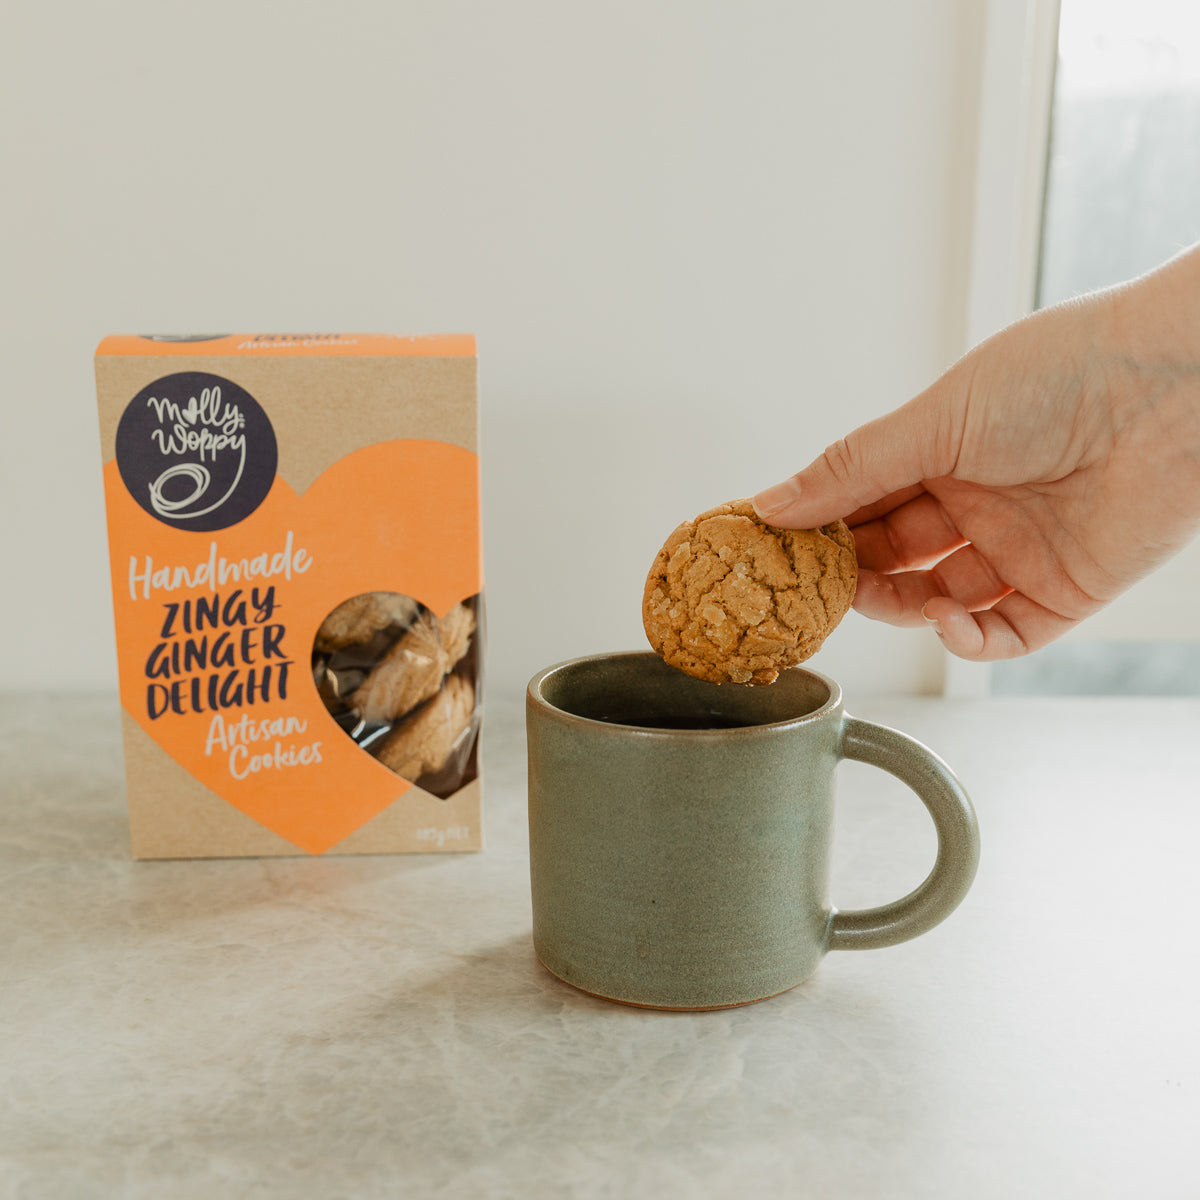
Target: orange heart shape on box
x=397, y=516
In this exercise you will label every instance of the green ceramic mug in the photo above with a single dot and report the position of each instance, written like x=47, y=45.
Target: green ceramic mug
x=680, y=831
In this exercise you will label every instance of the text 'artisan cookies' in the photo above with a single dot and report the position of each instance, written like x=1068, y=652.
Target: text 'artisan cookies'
x=731, y=599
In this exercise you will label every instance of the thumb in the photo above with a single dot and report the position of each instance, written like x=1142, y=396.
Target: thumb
x=878, y=459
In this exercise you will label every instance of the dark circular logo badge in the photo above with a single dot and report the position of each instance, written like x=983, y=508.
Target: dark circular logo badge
x=196, y=451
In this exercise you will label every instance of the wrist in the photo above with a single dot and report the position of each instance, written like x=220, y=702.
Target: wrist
x=1153, y=348
x=1156, y=317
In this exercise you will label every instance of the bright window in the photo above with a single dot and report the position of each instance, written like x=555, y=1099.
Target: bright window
x=1122, y=195
x=1123, y=185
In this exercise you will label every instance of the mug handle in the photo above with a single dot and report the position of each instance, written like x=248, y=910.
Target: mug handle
x=957, y=836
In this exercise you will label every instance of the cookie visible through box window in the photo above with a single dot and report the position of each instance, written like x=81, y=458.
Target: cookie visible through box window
x=402, y=683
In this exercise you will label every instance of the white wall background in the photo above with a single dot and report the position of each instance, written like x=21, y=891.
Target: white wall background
x=697, y=242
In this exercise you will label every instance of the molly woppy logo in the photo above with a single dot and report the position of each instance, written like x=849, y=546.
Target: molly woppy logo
x=196, y=451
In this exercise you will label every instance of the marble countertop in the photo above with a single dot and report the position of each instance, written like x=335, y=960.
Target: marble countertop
x=362, y=1027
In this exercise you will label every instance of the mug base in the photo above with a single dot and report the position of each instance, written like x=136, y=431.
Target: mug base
x=662, y=1007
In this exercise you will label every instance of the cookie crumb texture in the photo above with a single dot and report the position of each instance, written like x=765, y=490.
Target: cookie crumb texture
x=731, y=599
x=403, y=684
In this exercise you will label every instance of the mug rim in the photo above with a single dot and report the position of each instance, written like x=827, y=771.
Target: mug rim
x=535, y=697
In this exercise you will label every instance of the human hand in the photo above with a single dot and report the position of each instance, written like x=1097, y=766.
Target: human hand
x=1042, y=475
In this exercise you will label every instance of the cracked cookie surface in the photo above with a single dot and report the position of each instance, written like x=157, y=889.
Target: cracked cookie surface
x=413, y=669
x=425, y=739
x=731, y=599
x=358, y=619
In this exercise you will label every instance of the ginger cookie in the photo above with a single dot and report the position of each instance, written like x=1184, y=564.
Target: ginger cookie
x=360, y=618
x=731, y=599
x=423, y=742
x=413, y=669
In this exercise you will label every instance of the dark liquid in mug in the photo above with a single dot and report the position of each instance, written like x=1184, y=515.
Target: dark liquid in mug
x=676, y=720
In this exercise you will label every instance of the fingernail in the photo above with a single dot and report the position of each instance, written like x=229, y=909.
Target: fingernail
x=933, y=622
x=775, y=499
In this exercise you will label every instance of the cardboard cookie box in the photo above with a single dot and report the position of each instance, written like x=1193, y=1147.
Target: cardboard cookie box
x=293, y=525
